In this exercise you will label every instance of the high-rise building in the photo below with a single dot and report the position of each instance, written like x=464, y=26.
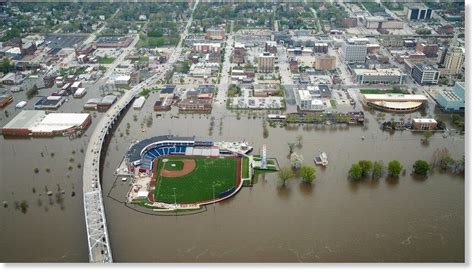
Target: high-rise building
x=425, y=74
x=453, y=61
x=266, y=62
x=415, y=13
x=354, y=50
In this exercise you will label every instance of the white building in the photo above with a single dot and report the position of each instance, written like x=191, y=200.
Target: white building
x=266, y=62
x=306, y=101
x=453, y=61
x=370, y=76
x=354, y=50
x=122, y=80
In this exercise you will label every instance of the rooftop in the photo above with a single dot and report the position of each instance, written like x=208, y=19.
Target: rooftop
x=378, y=72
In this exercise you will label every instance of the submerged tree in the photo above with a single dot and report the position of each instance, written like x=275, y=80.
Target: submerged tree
x=308, y=173
x=285, y=174
x=377, y=169
x=394, y=168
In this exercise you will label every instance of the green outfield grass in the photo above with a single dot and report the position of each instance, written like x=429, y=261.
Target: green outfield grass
x=197, y=185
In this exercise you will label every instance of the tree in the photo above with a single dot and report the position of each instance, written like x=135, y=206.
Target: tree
x=291, y=147
x=6, y=66
x=394, y=168
x=366, y=167
x=285, y=174
x=32, y=92
x=421, y=167
x=296, y=160
x=308, y=173
x=299, y=139
x=446, y=162
x=377, y=169
x=427, y=134
x=355, y=172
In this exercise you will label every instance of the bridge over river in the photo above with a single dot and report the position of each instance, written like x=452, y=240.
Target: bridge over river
x=97, y=235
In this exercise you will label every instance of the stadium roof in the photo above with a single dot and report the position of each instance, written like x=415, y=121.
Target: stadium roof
x=134, y=153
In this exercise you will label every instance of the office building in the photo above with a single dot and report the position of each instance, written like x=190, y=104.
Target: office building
x=453, y=61
x=354, y=50
x=266, y=62
x=452, y=100
x=415, y=13
x=375, y=76
x=425, y=74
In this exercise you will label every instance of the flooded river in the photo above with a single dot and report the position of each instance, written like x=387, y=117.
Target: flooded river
x=333, y=220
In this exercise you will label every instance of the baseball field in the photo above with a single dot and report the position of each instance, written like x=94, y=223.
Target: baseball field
x=193, y=178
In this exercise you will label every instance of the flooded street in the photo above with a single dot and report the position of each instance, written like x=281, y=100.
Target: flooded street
x=333, y=220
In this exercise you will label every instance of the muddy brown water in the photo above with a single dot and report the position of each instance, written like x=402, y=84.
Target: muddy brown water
x=332, y=220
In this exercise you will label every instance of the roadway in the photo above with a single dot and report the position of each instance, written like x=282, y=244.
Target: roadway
x=98, y=240
x=225, y=75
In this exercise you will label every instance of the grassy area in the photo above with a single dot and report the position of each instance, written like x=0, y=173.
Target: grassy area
x=333, y=103
x=198, y=185
x=148, y=42
x=382, y=91
x=245, y=167
x=106, y=60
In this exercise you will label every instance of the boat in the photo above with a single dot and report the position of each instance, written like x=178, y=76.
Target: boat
x=321, y=159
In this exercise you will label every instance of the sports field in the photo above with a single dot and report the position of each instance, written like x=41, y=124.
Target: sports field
x=194, y=177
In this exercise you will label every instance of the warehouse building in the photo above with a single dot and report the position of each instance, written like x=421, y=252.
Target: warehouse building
x=38, y=123
x=49, y=103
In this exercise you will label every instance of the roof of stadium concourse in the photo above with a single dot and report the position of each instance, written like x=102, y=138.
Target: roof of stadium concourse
x=133, y=153
x=26, y=119
x=398, y=105
x=396, y=97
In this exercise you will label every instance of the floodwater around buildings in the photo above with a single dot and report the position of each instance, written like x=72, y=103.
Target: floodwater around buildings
x=333, y=220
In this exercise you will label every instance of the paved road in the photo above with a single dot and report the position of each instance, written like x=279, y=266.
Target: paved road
x=283, y=65
x=225, y=76
x=99, y=248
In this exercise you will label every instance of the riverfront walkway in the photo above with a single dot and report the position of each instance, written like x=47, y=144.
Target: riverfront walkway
x=97, y=235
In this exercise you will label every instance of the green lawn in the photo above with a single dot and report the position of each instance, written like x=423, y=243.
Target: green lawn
x=381, y=91
x=333, y=103
x=106, y=60
x=197, y=185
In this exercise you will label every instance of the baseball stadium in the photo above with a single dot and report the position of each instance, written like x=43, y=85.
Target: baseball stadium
x=173, y=173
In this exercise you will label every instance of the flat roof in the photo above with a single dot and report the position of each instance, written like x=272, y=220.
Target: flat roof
x=424, y=120
x=26, y=119
x=60, y=121
x=378, y=72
